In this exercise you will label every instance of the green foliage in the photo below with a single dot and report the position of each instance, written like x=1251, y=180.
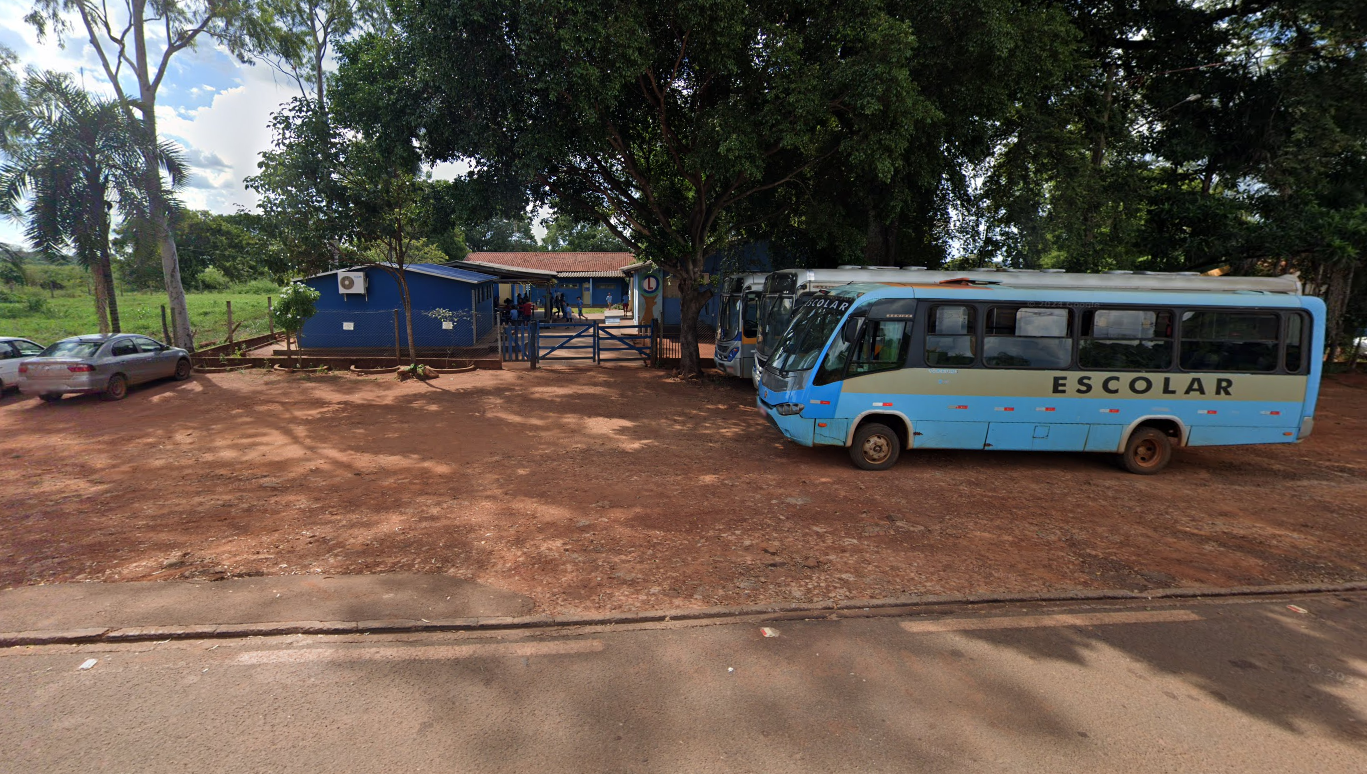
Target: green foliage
x=295, y=307
x=258, y=287
x=565, y=233
x=70, y=313
x=212, y=278
x=502, y=235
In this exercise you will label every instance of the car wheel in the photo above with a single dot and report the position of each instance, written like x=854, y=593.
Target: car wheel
x=48, y=397
x=1147, y=452
x=875, y=447
x=183, y=369
x=116, y=389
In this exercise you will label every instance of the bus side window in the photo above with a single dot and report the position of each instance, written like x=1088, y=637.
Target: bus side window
x=950, y=338
x=1230, y=341
x=1126, y=340
x=881, y=348
x=1028, y=337
x=1295, y=341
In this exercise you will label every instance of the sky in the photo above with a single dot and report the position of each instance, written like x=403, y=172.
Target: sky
x=214, y=107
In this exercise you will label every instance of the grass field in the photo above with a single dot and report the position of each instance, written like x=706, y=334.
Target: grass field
x=71, y=315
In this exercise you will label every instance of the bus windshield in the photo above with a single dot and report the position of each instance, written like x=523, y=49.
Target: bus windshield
x=730, y=317
x=773, y=315
x=801, y=344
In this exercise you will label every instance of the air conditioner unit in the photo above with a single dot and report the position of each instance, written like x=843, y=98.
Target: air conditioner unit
x=350, y=282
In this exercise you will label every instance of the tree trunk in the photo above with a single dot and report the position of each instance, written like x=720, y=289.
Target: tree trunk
x=691, y=301
x=408, y=317
x=101, y=288
x=1337, y=288
x=107, y=267
x=158, y=210
x=880, y=245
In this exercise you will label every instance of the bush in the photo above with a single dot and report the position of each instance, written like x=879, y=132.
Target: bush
x=35, y=304
x=257, y=287
x=213, y=278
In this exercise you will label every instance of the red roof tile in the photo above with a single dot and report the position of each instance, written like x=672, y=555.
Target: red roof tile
x=548, y=261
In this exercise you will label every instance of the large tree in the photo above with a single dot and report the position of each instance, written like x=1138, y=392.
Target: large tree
x=135, y=42
x=71, y=160
x=655, y=118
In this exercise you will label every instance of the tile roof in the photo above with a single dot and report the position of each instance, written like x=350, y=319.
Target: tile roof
x=557, y=261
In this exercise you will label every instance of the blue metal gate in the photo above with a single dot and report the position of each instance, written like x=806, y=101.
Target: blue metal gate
x=589, y=340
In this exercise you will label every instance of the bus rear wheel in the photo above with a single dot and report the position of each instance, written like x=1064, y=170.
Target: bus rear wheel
x=876, y=447
x=1148, y=451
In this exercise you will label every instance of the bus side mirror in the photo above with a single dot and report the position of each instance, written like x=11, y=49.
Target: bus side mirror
x=851, y=330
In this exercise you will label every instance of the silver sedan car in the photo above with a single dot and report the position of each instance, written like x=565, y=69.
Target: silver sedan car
x=105, y=364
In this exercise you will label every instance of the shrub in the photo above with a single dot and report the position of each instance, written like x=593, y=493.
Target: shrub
x=257, y=287
x=35, y=304
x=213, y=278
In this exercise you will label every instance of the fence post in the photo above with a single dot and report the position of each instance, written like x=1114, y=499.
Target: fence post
x=270, y=316
x=498, y=325
x=230, y=323
x=165, y=330
x=654, y=345
x=596, y=359
x=534, y=334
x=397, y=356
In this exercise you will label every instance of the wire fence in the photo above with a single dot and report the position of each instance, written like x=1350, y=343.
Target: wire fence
x=670, y=350
x=437, y=333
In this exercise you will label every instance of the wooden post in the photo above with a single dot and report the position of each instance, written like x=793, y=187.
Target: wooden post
x=270, y=315
x=397, y=356
x=230, y=322
x=165, y=329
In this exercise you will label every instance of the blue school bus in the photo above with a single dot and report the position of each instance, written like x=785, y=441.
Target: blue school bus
x=1132, y=365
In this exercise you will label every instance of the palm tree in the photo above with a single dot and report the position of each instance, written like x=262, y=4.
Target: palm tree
x=73, y=159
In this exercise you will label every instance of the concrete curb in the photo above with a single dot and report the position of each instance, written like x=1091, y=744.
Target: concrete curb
x=875, y=607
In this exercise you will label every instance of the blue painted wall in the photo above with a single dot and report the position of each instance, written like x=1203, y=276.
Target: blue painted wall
x=371, y=315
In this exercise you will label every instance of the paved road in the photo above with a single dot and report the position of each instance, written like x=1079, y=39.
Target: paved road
x=1235, y=686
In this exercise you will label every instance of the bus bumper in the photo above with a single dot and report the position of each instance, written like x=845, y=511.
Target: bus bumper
x=794, y=427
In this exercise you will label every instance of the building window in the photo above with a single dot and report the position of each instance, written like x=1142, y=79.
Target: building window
x=1126, y=340
x=1028, y=337
x=950, y=339
x=1230, y=341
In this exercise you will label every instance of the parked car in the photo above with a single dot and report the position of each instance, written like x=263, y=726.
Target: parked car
x=12, y=350
x=105, y=364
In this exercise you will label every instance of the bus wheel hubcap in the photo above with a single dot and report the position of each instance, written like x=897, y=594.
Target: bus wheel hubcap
x=876, y=448
x=1146, y=453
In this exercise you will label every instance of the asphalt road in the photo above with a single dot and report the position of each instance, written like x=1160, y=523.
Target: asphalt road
x=1246, y=686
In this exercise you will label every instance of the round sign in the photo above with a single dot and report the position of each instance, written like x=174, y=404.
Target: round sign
x=650, y=284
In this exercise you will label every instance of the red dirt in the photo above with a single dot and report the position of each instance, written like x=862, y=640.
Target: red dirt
x=596, y=489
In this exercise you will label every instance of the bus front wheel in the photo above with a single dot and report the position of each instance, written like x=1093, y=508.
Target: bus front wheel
x=1148, y=451
x=876, y=447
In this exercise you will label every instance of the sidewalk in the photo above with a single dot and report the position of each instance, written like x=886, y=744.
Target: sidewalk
x=274, y=605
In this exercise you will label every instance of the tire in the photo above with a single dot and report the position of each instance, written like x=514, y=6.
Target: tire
x=116, y=389
x=49, y=397
x=876, y=447
x=183, y=369
x=1148, y=451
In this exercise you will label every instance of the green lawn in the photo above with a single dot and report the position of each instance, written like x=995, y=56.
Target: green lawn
x=139, y=313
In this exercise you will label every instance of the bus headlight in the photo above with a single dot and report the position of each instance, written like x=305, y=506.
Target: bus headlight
x=788, y=409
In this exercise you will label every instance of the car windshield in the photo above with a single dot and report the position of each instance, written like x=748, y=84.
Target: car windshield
x=812, y=326
x=72, y=349
x=730, y=317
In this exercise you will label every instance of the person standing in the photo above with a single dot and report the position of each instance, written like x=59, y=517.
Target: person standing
x=580, y=303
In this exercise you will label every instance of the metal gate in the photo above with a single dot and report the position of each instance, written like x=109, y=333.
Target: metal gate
x=591, y=341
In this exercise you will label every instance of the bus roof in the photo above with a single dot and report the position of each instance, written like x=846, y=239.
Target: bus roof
x=810, y=279
x=1120, y=297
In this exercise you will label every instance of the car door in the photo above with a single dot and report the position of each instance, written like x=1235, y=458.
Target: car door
x=160, y=362
x=125, y=358
x=9, y=364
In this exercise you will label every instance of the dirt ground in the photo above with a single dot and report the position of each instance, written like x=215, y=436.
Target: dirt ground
x=597, y=489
